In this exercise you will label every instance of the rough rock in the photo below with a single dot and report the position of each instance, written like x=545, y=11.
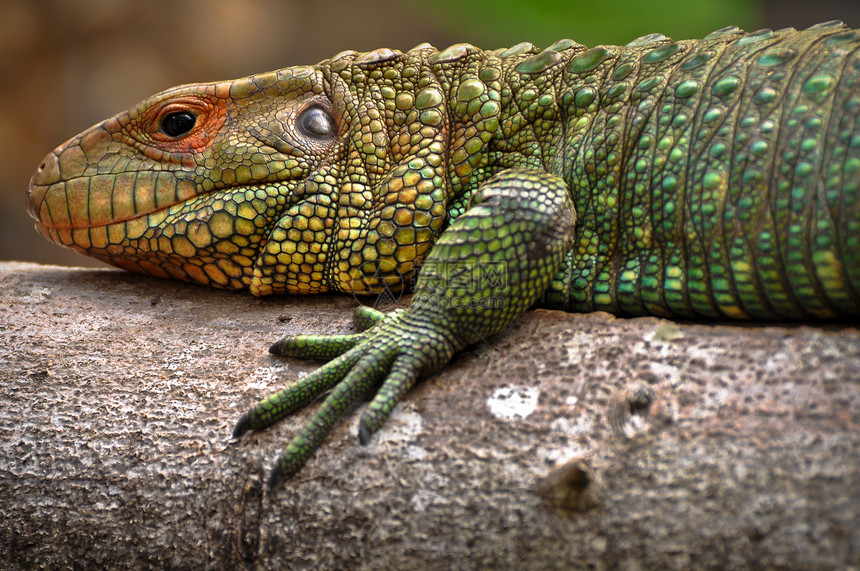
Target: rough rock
x=567, y=441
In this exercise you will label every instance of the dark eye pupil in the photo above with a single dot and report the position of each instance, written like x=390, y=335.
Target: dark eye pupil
x=315, y=122
x=178, y=123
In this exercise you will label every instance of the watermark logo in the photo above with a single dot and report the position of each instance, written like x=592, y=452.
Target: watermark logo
x=378, y=285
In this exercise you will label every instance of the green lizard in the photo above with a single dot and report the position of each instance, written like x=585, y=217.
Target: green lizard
x=712, y=178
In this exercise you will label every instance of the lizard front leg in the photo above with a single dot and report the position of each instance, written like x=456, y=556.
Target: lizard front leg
x=487, y=268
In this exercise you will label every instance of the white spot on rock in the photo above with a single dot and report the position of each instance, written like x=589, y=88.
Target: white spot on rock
x=424, y=499
x=415, y=453
x=511, y=403
x=404, y=425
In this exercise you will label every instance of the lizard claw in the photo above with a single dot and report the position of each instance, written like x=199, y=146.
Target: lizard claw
x=242, y=426
x=364, y=434
x=275, y=477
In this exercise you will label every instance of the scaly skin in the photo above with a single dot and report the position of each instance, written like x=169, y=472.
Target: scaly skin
x=714, y=178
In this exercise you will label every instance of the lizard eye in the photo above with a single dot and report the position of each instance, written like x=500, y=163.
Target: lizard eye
x=178, y=123
x=316, y=123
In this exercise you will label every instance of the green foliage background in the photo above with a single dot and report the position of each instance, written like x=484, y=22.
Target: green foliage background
x=497, y=23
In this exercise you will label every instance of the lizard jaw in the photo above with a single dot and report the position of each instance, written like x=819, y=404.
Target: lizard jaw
x=61, y=197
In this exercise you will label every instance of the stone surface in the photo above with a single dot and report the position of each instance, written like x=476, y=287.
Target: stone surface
x=566, y=441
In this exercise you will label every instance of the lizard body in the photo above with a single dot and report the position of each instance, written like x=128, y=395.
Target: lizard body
x=712, y=178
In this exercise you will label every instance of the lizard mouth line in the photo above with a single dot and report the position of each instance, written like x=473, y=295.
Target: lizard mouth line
x=219, y=222
x=104, y=200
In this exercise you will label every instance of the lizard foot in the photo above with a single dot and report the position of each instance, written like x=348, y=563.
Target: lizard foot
x=360, y=363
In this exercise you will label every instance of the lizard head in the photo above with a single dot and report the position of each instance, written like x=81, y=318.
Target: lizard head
x=300, y=180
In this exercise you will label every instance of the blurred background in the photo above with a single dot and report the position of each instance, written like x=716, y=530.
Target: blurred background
x=67, y=64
